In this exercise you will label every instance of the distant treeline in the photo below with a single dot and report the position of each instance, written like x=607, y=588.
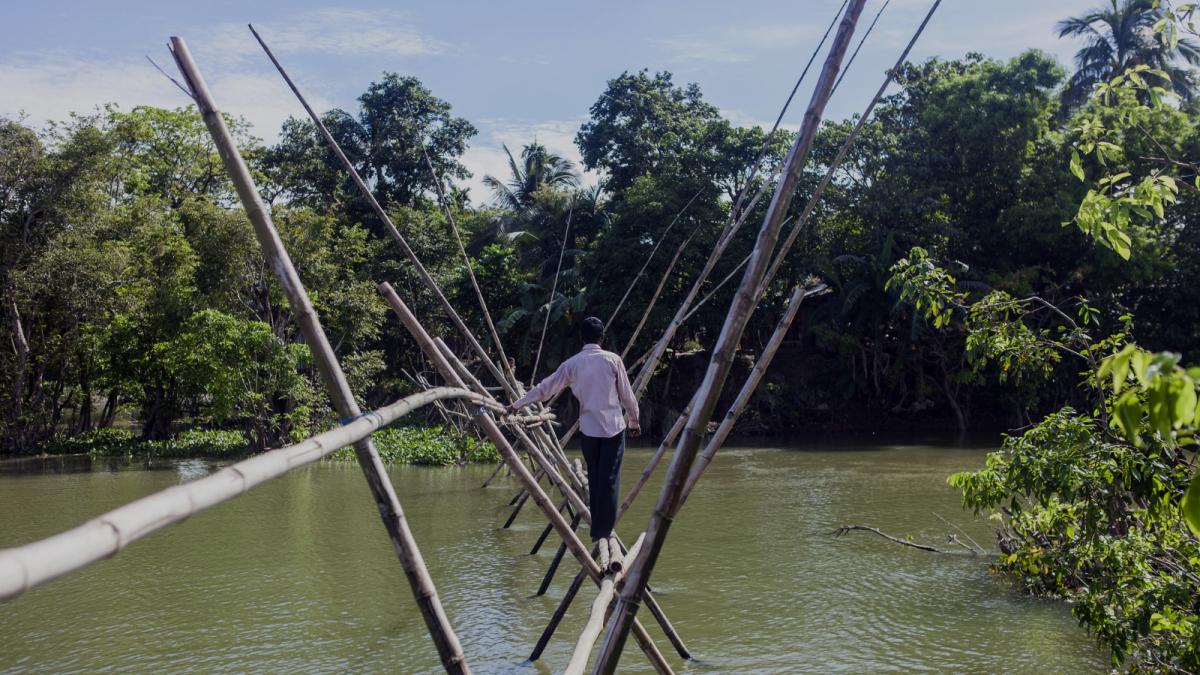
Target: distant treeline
x=132, y=284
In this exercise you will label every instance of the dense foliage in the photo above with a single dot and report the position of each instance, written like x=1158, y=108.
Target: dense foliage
x=132, y=288
x=1007, y=244
x=428, y=445
x=1100, y=504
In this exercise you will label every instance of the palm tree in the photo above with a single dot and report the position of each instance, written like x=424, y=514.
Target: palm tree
x=538, y=168
x=1121, y=36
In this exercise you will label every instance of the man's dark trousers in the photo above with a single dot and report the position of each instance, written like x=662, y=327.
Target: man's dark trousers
x=603, y=457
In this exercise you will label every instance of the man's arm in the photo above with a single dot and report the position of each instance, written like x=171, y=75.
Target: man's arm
x=556, y=382
x=628, y=399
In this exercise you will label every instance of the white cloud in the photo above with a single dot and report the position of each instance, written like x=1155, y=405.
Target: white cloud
x=736, y=45
x=332, y=31
x=486, y=154
x=740, y=118
x=49, y=85
x=55, y=85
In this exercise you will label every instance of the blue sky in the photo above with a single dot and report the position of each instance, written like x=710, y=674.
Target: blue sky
x=516, y=69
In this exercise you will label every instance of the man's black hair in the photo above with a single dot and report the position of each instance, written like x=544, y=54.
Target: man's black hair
x=592, y=330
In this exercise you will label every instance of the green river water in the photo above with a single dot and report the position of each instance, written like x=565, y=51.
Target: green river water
x=298, y=576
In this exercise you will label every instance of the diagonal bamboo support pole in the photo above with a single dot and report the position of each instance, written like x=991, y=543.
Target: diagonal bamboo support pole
x=819, y=191
x=462, y=250
x=749, y=386
x=423, y=273
x=539, y=497
x=553, y=291
x=722, y=359
x=690, y=309
x=306, y=319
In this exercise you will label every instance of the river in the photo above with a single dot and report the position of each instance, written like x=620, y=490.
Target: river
x=298, y=576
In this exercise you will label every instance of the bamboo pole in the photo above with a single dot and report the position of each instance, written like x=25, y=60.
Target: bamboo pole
x=811, y=206
x=553, y=291
x=743, y=304
x=483, y=307
x=662, y=282
x=555, y=562
x=576, y=468
x=309, y=325
x=537, y=545
x=636, y=489
x=559, y=612
x=23, y=567
x=595, y=623
x=858, y=48
x=423, y=273
x=749, y=386
x=616, y=557
x=495, y=472
x=524, y=497
x=574, y=545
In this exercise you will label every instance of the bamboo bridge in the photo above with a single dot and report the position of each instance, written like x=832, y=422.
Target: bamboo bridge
x=623, y=582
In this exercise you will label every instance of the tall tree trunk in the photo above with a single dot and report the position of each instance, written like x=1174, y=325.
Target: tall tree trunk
x=85, y=396
x=21, y=376
x=156, y=425
x=951, y=391
x=109, y=413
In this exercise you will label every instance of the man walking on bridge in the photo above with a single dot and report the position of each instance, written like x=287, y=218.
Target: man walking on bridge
x=607, y=406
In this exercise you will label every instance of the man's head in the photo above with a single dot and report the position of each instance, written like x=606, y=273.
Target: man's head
x=592, y=330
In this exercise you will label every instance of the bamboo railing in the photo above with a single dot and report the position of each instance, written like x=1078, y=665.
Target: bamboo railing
x=23, y=567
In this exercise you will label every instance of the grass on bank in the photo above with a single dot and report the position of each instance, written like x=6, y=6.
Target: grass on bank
x=430, y=446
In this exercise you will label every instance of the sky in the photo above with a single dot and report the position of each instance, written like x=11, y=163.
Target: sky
x=517, y=70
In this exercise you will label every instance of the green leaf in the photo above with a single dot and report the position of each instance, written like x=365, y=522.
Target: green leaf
x=1191, y=506
x=1185, y=402
x=1077, y=166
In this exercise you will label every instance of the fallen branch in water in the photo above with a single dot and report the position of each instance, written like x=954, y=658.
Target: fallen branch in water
x=841, y=531
x=978, y=549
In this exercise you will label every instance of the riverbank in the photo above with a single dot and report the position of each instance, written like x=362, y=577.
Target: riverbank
x=425, y=445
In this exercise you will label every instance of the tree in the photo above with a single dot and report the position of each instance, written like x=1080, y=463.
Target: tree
x=645, y=124
x=398, y=121
x=1122, y=36
x=539, y=168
